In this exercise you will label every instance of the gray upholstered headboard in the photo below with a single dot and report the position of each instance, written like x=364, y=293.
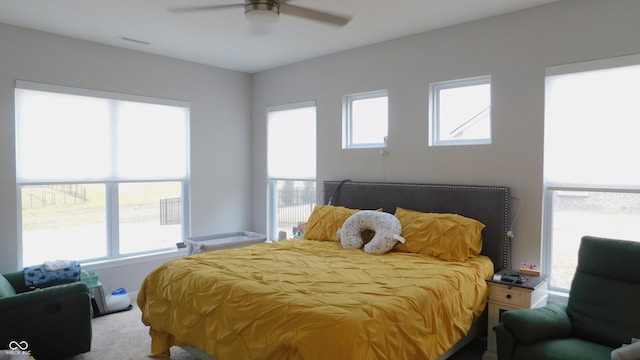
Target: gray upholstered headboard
x=487, y=204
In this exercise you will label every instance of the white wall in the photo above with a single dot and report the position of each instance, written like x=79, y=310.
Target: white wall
x=220, y=127
x=514, y=49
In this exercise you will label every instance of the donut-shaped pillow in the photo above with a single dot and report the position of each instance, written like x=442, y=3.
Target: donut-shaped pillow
x=387, y=230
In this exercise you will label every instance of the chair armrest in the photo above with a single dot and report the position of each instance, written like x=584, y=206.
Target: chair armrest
x=16, y=279
x=505, y=342
x=56, y=321
x=531, y=325
x=39, y=296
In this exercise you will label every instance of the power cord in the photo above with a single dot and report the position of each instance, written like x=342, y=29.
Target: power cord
x=510, y=233
x=336, y=191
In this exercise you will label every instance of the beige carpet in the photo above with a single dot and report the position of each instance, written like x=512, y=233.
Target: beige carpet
x=122, y=336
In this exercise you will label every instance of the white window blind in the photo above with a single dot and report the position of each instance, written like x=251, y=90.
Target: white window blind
x=292, y=141
x=68, y=134
x=591, y=127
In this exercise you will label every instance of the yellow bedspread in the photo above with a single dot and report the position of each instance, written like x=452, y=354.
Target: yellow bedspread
x=305, y=299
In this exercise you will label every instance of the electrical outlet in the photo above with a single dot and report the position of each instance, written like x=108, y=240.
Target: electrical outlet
x=529, y=269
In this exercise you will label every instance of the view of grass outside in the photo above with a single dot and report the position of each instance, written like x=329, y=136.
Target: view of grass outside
x=142, y=226
x=69, y=221
x=63, y=222
x=579, y=213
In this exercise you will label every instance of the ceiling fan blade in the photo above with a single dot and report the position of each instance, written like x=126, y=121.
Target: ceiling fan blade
x=310, y=14
x=203, y=8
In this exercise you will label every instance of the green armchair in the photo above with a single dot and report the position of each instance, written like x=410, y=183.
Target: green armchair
x=601, y=315
x=54, y=321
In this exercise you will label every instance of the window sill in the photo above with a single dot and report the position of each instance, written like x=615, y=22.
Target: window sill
x=133, y=259
x=365, y=146
x=558, y=297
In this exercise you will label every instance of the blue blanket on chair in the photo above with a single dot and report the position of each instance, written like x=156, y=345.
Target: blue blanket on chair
x=39, y=275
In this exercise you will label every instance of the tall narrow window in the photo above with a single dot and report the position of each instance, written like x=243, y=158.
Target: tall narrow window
x=366, y=120
x=591, y=184
x=461, y=112
x=100, y=175
x=291, y=163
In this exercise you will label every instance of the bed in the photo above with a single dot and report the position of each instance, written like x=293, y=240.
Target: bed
x=311, y=299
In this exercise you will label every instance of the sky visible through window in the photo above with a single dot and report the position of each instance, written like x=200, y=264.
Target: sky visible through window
x=464, y=112
x=369, y=120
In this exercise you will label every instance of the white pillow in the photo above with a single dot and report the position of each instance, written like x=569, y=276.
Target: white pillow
x=387, y=230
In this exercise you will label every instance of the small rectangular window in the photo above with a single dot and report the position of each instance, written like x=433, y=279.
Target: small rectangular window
x=366, y=120
x=461, y=112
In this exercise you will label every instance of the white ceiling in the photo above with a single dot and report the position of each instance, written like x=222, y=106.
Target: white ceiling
x=223, y=38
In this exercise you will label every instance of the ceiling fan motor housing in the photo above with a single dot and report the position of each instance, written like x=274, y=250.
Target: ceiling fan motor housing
x=261, y=6
x=268, y=11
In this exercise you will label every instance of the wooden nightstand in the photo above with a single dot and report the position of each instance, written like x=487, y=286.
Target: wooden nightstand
x=505, y=296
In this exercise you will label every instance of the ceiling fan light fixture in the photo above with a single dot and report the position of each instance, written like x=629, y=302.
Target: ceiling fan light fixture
x=262, y=11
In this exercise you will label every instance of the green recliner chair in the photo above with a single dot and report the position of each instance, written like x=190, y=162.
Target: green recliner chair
x=602, y=314
x=54, y=322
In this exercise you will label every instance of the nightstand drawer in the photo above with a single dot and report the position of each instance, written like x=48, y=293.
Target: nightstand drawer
x=513, y=296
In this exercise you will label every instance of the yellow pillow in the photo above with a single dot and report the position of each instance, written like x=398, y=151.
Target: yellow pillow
x=450, y=237
x=325, y=221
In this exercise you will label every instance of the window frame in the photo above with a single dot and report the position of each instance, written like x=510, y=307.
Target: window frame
x=550, y=186
x=348, y=129
x=273, y=180
x=111, y=185
x=272, y=200
x=548, y=225
x=112, y=230
x=435, y=106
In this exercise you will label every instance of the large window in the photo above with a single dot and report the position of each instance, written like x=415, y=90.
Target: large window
x=366, y=120
x=291, y=163
x=460, y=112
x=592, y=187
x=100, y=175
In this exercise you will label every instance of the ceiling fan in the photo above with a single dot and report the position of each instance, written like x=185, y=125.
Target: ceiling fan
x=267, y=11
